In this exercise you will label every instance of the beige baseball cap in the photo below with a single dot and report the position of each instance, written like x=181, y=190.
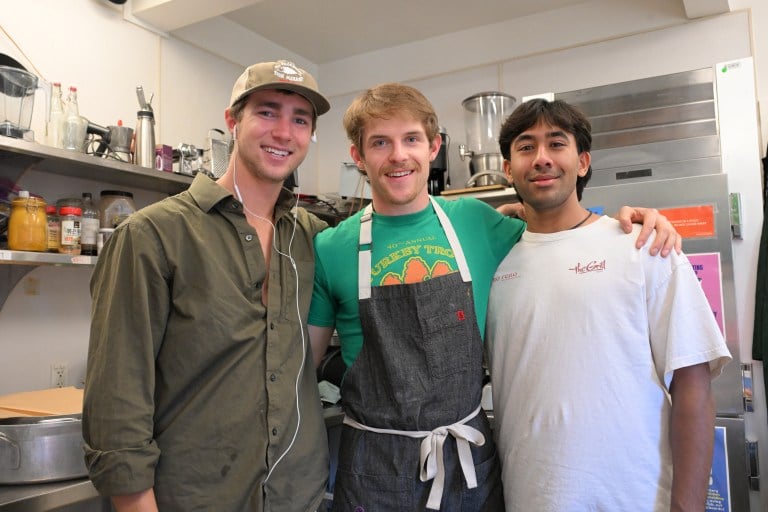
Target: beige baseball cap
x=282, y=74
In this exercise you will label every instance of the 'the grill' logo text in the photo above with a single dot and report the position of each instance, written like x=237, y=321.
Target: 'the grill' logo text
x=592, y=266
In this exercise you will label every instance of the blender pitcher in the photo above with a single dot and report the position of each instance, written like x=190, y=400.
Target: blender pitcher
x=17, y=97
x=483, y=115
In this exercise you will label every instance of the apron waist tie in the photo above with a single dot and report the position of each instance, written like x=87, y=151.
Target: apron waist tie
x=431, y=454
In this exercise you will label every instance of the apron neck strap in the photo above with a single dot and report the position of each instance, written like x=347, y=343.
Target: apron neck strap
x=366, y=245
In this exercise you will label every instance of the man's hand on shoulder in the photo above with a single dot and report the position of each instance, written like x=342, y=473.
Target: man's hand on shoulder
x=667, y=237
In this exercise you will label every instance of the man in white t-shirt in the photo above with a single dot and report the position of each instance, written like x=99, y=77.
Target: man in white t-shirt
x=601, y=355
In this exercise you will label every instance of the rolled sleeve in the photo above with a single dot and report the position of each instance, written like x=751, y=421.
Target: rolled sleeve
x=126, y=329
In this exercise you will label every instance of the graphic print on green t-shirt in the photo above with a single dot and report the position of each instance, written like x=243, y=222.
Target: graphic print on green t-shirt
x=413, y=261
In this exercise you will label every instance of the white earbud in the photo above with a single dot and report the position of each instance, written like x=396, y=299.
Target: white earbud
x=234, y=132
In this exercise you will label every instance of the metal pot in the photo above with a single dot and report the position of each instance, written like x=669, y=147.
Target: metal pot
x=41, y=449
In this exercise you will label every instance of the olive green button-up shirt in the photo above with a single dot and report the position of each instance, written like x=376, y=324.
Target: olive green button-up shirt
x=192, y=382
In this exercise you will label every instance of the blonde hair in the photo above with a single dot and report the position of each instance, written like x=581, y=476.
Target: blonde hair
x=385, y=101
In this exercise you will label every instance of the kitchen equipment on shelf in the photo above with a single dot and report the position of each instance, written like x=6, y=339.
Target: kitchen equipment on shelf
x=17, y=98
x=74, y=126
x=28, y=225
x=439, y=165
x=483, y=115
x=115, y=141
x=145, y=131
x=190, y=159
x=218, y=152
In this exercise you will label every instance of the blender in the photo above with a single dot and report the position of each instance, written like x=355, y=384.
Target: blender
x=17, y=97
x=483, y=115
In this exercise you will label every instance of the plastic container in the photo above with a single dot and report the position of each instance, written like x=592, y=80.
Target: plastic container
x=54, y=228
x=115, y=206
x=71, y=219
x=28, y=227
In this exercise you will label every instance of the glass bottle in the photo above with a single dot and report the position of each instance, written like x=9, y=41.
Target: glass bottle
x=27, y=227
x=89, y=229
x=56, y=117
x=74, y=126
x=71, y=217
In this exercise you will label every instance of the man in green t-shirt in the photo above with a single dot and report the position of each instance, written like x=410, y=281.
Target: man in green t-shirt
x=405, y=283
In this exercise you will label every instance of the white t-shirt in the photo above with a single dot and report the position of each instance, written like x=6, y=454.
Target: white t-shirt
x=584, y=333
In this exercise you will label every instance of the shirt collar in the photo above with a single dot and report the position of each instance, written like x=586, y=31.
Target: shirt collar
x=207, y=194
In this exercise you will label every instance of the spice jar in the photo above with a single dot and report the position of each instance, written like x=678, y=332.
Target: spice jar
x=27, y=227
x=71, y=218
x=54, y=228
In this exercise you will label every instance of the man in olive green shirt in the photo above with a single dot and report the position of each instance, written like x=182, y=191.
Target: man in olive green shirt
x=200, y=392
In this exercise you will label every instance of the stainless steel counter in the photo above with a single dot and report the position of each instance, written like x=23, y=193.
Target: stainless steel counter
x=37, y=497
x=59, y=495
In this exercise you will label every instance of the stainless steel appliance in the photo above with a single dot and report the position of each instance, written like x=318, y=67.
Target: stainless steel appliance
x=483, y=114
x=686, y=144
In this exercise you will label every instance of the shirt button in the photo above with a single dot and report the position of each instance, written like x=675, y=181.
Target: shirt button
x=274, y=431
x=273, y=377
x=248, y=238
x=272, y=326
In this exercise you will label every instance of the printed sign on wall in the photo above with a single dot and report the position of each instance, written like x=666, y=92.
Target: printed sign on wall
x=692, y=221
x=707, y=268
x=718, y=495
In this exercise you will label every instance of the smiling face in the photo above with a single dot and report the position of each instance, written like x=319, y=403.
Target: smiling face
x=273, y=133
x=395, y=153
x=544, y=164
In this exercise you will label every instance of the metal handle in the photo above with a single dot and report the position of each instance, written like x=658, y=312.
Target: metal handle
x=11, y=447
x=140, y=96
x=464, y=152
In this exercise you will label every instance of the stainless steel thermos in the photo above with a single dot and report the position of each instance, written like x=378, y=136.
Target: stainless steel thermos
x=144, y=150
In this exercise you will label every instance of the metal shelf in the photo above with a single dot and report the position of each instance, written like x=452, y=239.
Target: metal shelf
x=14, y=265
x=17, y=156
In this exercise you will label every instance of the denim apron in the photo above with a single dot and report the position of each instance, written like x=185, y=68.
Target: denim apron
x=414, y=436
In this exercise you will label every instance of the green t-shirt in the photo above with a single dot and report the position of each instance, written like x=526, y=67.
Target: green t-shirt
x=406, y=249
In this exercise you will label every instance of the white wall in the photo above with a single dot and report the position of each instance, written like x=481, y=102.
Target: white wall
x=87, y=43
x=594, y=43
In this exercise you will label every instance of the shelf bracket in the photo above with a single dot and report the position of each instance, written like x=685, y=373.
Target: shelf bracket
x=10, y=275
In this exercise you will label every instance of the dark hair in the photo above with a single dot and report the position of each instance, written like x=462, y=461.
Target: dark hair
x=556, y=113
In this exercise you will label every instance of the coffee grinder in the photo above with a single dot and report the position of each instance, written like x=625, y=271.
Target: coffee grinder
x=438, y=166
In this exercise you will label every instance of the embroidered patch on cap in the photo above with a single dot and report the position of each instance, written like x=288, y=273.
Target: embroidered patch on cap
x=288, y=71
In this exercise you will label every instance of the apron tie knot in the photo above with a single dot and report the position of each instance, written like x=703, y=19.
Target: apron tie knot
x=431, y=453
x=431, y=458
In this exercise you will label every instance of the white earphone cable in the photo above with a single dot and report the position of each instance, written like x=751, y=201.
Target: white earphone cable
x=289, y=255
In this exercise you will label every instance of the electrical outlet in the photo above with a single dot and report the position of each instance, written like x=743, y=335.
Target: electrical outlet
x=58, y=375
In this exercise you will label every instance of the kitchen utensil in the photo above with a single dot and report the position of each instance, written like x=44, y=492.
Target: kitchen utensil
x=144, y=154
x=41, y=449
x=218, y=153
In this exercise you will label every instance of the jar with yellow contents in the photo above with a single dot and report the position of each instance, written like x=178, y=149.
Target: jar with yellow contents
x=28, y=227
